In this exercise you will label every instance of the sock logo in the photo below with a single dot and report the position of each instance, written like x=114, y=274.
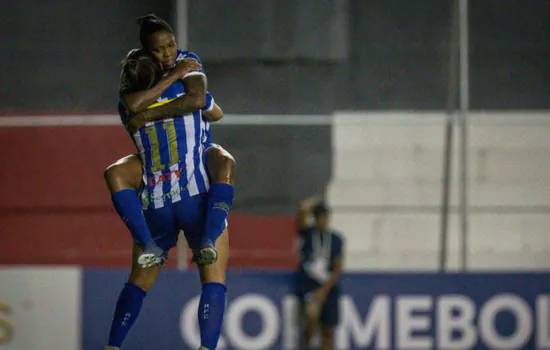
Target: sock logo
x=126, y=319
x=221, y=206
x=206, y=311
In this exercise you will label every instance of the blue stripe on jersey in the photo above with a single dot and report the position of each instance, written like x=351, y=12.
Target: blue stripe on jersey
x=146, y=146
x=179, y=125
x=163, y=149
x=163, y=146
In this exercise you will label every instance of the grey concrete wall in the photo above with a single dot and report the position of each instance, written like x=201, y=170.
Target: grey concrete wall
x=307, y=57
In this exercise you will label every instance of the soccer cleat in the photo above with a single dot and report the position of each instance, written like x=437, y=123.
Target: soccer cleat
x=112, y=348
x=206, y=255
x=151, y=256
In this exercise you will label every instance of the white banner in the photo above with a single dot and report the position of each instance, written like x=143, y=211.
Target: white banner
x=40, y=308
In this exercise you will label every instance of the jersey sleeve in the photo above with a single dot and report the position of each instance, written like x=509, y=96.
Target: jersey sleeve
x=337, y=246
x=209, y=105
x=185, y=55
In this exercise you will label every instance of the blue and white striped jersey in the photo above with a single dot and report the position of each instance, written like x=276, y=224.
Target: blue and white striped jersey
x=172, y=150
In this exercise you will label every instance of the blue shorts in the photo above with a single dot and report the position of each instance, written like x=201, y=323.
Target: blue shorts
x=188, y=214
x=330, y=311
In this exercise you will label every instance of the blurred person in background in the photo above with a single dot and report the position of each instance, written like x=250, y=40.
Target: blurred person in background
x=166, y=109
x=319, y=271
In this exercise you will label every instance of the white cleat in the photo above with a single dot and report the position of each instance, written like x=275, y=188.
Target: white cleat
x=151, y=257
x=207, y=255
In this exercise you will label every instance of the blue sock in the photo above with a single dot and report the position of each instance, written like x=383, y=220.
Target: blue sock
x=220, y=200
x=128, y=207
x=126, y=312
x=211, y=308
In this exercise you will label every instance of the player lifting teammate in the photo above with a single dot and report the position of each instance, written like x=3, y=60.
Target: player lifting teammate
x=167, y=115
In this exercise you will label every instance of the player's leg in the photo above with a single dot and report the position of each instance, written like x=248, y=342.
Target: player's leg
x=213, y=295
x=191, y=217
x=329, y=320
x=221, y=167
x=124, y=180
x=311, y=311
x=162, y=225
x=130, y=299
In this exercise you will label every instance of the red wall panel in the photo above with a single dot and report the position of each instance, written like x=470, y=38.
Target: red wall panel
x=55, y=208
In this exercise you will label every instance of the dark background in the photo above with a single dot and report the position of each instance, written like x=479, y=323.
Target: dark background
x=281, y=56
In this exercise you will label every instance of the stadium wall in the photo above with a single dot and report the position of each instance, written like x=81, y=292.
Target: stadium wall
x=386, y=190
x=384, y=169
x=56, y=209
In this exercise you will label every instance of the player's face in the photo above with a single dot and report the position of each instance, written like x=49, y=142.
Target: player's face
x=163, y=47
x=322, y=221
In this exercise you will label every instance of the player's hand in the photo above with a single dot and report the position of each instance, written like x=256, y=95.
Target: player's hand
x=309, y=203
x=313, y=310
x=312, y=306
x=185, y=66
x=320, y=295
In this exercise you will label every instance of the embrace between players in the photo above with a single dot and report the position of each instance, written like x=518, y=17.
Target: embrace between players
x=180, y=180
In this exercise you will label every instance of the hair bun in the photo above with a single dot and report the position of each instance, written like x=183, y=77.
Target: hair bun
x=147, y=18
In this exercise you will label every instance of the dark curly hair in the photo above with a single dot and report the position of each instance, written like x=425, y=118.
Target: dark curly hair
x=149, y=25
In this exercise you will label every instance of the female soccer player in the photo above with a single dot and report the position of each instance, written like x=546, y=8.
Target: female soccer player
x=175, y=150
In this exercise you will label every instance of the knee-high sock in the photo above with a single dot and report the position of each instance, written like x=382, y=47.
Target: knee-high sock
x=127, y=310
x=220, y=200
x=128, y=207
x=211, y=309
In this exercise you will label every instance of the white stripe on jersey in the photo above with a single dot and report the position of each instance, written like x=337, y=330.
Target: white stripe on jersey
x=175, y=183
x=203, y=168
x=189, y=159
x=158, y=193
x=144, y=193
x=204, y=129
x=139, y=145
x=206, y=126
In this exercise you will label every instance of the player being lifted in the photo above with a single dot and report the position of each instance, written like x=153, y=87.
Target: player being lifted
x=168, y=117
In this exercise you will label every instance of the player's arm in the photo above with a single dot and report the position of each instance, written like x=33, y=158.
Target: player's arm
x=214, y=113
x=138, y=101
x=334, y=276
x=194, y=98
x=304, y=212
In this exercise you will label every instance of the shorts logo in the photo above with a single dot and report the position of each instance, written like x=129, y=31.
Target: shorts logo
x=147, y=198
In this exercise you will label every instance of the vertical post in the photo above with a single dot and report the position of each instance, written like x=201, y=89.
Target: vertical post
x=180, y=25
x=464, y=111
x=452, y=89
